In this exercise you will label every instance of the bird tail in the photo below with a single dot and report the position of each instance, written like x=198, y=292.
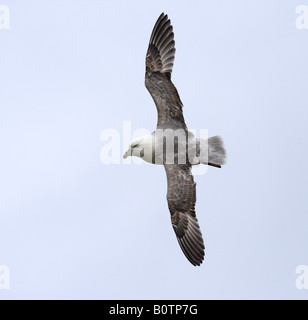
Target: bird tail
x=216, y=155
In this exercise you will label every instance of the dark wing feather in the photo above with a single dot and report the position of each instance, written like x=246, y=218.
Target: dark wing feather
x=181, y=198
x=159, y=63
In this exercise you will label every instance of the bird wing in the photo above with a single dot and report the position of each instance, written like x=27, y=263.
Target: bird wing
x=159, y=63
x=181, y=199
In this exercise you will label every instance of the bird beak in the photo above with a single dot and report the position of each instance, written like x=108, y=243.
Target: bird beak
x=127, y=153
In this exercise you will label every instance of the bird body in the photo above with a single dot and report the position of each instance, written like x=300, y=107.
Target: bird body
x=172, y=144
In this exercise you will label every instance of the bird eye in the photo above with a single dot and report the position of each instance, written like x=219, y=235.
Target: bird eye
x=136, y=146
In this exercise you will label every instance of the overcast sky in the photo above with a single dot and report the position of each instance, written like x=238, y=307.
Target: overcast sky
x=75, y=228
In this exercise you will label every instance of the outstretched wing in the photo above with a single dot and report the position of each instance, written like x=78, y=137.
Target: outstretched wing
x=159, y=63
x=181, y=199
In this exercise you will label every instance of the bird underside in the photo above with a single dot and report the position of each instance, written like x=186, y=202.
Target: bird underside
x=167, y=146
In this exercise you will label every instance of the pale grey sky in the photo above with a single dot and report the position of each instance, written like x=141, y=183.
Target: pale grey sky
x=73, y=228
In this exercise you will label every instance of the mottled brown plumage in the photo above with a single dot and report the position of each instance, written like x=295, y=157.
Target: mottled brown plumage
x=159, y=63
x=181, y=199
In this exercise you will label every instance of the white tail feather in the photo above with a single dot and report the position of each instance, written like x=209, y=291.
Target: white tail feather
x=216, y=155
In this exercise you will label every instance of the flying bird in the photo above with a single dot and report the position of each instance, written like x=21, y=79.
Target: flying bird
x=172, y=144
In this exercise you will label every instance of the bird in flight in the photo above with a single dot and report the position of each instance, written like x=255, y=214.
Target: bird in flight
x=172, y=144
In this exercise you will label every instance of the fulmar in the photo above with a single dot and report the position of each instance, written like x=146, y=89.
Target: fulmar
x=172, y=144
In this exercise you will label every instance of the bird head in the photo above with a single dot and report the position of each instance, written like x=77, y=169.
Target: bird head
x=140, y=147
x=134, y=149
